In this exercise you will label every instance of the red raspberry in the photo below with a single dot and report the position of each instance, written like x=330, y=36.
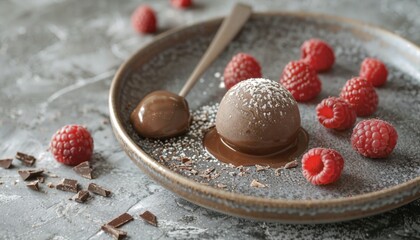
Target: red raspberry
x=374, y=138
x=317, y=54
x=335, y=113
x=361, y=96
x=301, y=81
x=374, y=71
x=181, y=3
x=72, y=145
x=144, y=19
x=242, y=67
x=322, y=166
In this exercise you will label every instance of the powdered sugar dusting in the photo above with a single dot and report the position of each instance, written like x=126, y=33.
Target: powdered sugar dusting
x=264, y=97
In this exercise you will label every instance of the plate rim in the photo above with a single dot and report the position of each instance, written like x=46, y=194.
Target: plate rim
x=116, y=122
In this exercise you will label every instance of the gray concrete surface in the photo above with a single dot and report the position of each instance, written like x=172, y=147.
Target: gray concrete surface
x=57, y=59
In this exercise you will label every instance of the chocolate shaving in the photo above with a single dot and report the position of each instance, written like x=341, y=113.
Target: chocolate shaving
x=149, y=218
x=184, y=160
x=291, y=164
x=6, y=163
x=114, y=232
x=84, y=169
x=209, y=170
x=50, y=185
x=68, y=185
x=33, y=185
x=26, y=159
x=194, y=172
x=277, y=171
x=30, y=174
x=261, y=168
x=121, y=220
x=257, y=184
x=95, y=188
x=81, y=196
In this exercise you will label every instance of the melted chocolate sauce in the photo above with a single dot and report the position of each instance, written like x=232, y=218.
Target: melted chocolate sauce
x=215, y=145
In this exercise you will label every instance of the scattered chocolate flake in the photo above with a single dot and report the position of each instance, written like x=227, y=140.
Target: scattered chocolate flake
x=114, y=232
x=26, y=159
x=95, y=188
x=194, y=172
x=209, y=170
x=184, y=167
x=81, y=196
x=162, y=158
x=232, y=174
x=277, y=171
x=50, y=185
x=257, y=184
x=6, y=163
x=33, y=185
x=30, y=174
x=41, y=179
x=291, y=164
x=149, y=218
x=84, y=169
x=214, y=176
x=185, y=159
x=121, y=220
x=68, y=185
x=1, y=183
x=261, y=168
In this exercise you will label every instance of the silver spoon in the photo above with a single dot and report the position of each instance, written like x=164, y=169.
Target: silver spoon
x=163, y=114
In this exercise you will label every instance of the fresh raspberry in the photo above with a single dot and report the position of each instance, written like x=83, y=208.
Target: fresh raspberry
x=72, y=145
x=374, y=138
x=242, y=67
x=374, y=71
x=317, y=54
x=361, y=96
x=181, y=3
x=144, y=19
x=301, y=81
x=335, y=113
x=322, y=166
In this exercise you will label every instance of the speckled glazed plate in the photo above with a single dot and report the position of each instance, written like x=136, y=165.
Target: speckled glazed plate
x=182, y=165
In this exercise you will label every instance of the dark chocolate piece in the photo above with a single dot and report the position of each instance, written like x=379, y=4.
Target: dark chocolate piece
x=68, y=185
x=82, y=196
x=121, y=220
x=26, y=159
x=6, y=163
x=33, y=185
x=84, y=169
x=149, y=218
x=30, y=174
x=291, y=164
x=114, y=232
x=95, y=188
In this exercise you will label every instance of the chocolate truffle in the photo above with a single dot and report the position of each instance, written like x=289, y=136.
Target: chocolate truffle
x=258, y=116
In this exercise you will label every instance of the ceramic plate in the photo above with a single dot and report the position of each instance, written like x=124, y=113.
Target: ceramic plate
x=182, y=165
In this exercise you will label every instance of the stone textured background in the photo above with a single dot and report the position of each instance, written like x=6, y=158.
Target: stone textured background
x=57, y=60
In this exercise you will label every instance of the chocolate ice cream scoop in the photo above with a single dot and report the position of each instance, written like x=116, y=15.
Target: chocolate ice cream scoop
x=258, y=117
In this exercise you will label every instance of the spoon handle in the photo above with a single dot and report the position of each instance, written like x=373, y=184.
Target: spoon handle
x=227, y=31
